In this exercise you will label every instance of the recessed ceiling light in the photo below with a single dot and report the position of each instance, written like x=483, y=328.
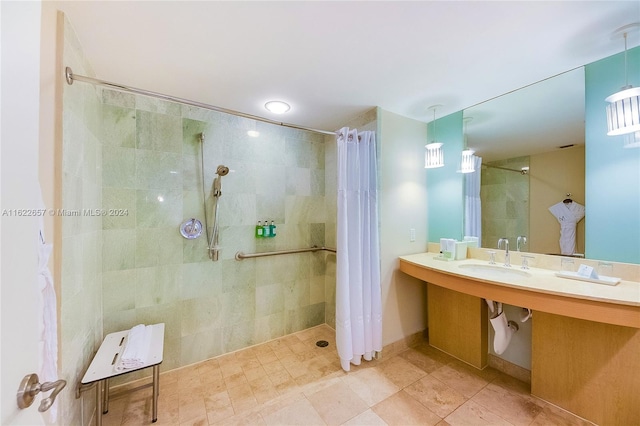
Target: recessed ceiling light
x=277, y=107
x=253, y=133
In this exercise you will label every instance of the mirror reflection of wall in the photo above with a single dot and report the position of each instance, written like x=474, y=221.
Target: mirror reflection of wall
x=516, y=204
x=560, y=125
x=541, y=127
x=554, y=177
x=504, y=196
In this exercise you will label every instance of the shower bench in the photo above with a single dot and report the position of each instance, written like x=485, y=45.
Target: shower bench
x=102, y=368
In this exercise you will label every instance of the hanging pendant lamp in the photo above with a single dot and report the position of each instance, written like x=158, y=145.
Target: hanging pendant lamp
x=434, y=155
x=623, y=111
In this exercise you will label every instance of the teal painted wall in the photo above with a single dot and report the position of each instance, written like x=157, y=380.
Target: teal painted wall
x=612, y=172
x=445, y=187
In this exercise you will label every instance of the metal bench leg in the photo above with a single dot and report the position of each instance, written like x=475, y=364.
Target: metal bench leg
x=99, y=397
x=156, y=386
x=105, y=406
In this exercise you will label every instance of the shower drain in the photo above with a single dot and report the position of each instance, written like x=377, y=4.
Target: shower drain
x=322, y=343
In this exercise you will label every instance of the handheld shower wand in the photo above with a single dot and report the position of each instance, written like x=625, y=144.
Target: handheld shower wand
x=217, y=182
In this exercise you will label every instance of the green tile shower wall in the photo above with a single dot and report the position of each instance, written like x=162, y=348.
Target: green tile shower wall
x=505, y=202
x=152, y=169
x=612, y=172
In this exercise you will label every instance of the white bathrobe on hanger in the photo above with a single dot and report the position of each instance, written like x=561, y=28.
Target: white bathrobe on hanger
x=568, y=214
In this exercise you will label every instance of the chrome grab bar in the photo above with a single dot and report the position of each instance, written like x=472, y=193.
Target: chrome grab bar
x=240, y=255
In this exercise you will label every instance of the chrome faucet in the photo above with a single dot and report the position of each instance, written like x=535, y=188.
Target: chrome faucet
x=521, y=239
x=507, y=261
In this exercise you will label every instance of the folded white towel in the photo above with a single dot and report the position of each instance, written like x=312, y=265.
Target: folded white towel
x=136, y=348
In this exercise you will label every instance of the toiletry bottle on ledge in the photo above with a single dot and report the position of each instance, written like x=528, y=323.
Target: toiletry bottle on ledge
x=266, y=230
x=259, y=230
x=272, y=230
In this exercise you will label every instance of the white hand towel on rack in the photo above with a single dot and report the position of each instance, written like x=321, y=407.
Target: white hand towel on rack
x=136, y=348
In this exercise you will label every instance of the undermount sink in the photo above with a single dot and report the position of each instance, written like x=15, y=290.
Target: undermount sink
x=494, y=271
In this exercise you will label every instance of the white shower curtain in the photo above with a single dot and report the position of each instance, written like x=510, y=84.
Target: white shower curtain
x=48, y=321
x=358, y=299
x=472, y=205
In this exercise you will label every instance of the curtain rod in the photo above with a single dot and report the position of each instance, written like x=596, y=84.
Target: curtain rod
x=71, y=77
x=523, y=171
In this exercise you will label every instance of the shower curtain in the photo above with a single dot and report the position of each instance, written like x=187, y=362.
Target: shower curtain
x=472, y=206
x=358, y=299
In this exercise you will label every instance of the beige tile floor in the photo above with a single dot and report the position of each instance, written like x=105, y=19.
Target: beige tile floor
x=291, y=381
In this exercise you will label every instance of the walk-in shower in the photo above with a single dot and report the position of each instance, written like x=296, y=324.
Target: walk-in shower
x=216, y=191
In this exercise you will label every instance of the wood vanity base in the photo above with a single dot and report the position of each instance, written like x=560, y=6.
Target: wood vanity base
x=458, y=324
x=589, y=368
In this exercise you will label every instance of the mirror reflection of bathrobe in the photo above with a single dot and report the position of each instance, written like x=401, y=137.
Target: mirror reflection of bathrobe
x=568, y=214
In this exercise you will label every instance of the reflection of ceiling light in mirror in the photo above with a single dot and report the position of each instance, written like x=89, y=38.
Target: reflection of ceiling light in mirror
x=623, y=111
x=253, y=133
x=160, y=198
x=467, y=162
x=467, y=159
x=277, y=107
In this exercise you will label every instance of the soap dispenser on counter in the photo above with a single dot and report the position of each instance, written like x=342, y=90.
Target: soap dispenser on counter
x=451, y=249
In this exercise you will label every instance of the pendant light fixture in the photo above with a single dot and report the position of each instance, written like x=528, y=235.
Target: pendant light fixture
x=467, y=160
x=433, y=156
x=623, y=111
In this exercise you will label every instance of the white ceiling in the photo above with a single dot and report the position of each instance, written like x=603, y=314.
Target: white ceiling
x=538, y=118
x=334, y=60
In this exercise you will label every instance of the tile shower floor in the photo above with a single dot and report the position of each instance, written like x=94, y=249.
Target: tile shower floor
x=291, y=381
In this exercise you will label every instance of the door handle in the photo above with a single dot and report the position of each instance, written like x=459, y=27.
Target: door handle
x=30, y=387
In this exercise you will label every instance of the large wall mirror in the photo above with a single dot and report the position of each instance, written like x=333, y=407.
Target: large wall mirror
x=532, y=144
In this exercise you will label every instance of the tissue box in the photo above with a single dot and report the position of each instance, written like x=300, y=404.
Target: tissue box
x=472, y=242
x=452, y=249
x=460, y=250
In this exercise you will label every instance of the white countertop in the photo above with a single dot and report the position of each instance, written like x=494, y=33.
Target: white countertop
x=541, y=280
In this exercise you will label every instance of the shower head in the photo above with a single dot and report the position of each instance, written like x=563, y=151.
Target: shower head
x=217, y=185
x=222, y=170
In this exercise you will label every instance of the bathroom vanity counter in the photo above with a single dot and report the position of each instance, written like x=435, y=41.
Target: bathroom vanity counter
x=585, y=336
x=540, y=291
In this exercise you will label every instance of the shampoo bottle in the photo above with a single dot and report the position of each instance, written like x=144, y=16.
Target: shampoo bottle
x=272, y=230
x=265, y=228
x=259, y=230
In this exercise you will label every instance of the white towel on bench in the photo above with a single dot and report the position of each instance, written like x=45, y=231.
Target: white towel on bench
x=136, y=348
